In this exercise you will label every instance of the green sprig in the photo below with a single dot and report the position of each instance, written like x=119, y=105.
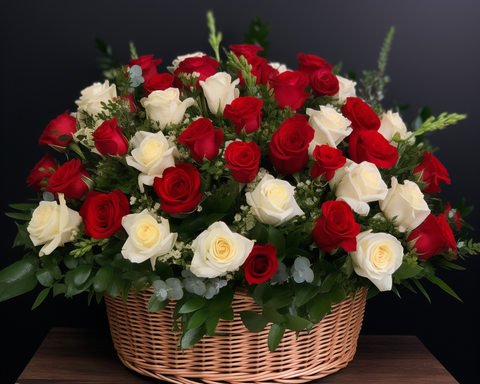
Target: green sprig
x=214, y=38
x=442, y=121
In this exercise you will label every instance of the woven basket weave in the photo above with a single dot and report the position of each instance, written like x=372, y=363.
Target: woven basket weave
x=146, y=344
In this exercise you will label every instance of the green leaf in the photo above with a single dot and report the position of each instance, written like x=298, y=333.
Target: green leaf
x=292, y=240
x=58, y=289
x=23, y=207
x=276, y=238
x=211, y=324
x=420, y=287
x=221, y=301
x=115, y=286
x=193, y=336
x=45, y=278
x=258, y=34
x=372, y=291
x=81, y=274
x=19, y=216
x=155, y=305
x=329, y=281
x=272, y=316
x=163, y=270
x=320, y=306
x=103, y=278
x=193, y=305
x=275, y=336
x=19, y=270
x=18, y=287
x=406, y=271
x=305, y=293
x=337, y=293
x=227, y=314
x=262, y=294
x=253, y=321
x=260, y=233
x=444, y=286
x=448, y=265
x=295, y=323
x=54, y=270
x=70, y=261
x=213, y=218
x=41, y=296
x=198, y=318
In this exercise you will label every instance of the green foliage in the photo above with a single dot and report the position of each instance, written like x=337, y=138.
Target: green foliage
x=432, y=124
x=214, y=38
x=258, y=34
x=106, y=61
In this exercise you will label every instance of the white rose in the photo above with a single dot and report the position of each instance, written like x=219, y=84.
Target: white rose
x=347, y=89
x=406, y=203
x=165, y=107
x=279, y=67
x=377, y=257
x=361, y=184
x=218, y=250
x=147, y=239
x=151, y=155
x=53, y=224
x=273, y=201
x=179, y=59
x=392, y=123
x=219, y=90
x=330, y=127
x=92, y=97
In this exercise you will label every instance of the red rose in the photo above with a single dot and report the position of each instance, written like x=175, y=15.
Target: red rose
x=102, y=213
x=243, y=159
x=148, y=65
x=310, y=63
x=260, y=69
x=372, y=146
x=328, y=159
x=58, y=132
x=261, y=264
x=450, y=243
x=178, y=189
x=160, y=82
x=360, y=114
x=245, y=112
x=336, y=227
x=247, y=50
x=109, y=140
x=69, y=180
x=432, y=173
x=205, y=66
x=202, y=139
x=428, y=238
x=39, y=175
x=288, y=150
x=324, y=82
x=290, y=89
x=457, y=219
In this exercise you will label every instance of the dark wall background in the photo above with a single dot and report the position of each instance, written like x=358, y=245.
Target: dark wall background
x=48, y=56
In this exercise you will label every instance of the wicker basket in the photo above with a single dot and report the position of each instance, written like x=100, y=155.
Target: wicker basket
x=146, y=344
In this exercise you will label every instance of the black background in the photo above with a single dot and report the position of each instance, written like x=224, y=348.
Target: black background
x=48, y=56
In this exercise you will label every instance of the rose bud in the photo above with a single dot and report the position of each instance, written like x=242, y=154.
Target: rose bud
x=102, y=213
x=453, y=214
x=245, y=112
x=310, y=63
x=109, y=140
x=243, y=159
x=324, y=83
x=148, y=65
x=202, y=139
x=428, y=239
x=205, y=66
x=58, y=132
x=261, y=264
x=178, y=189
x=245, y=50
x=432, y=173
x=328, y=160
x=71, y=180
x=39, y=175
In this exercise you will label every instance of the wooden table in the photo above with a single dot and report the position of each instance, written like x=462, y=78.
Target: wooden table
x=75, y=356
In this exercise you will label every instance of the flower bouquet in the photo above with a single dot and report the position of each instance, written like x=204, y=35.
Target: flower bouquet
x=236, y=189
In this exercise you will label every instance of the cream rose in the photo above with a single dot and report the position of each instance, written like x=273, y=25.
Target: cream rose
x=92, y=97
x=179, y=59
x=147, y=239
x=361, y=184
x=219, y=90
x=392, y=123
x=330, y=127
x=151, y=155
x=218, y=250
x=273, y=201
x=165, y=107
x=347, y=89
x=53, y=225
x=406, y=203
x=377, y=257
